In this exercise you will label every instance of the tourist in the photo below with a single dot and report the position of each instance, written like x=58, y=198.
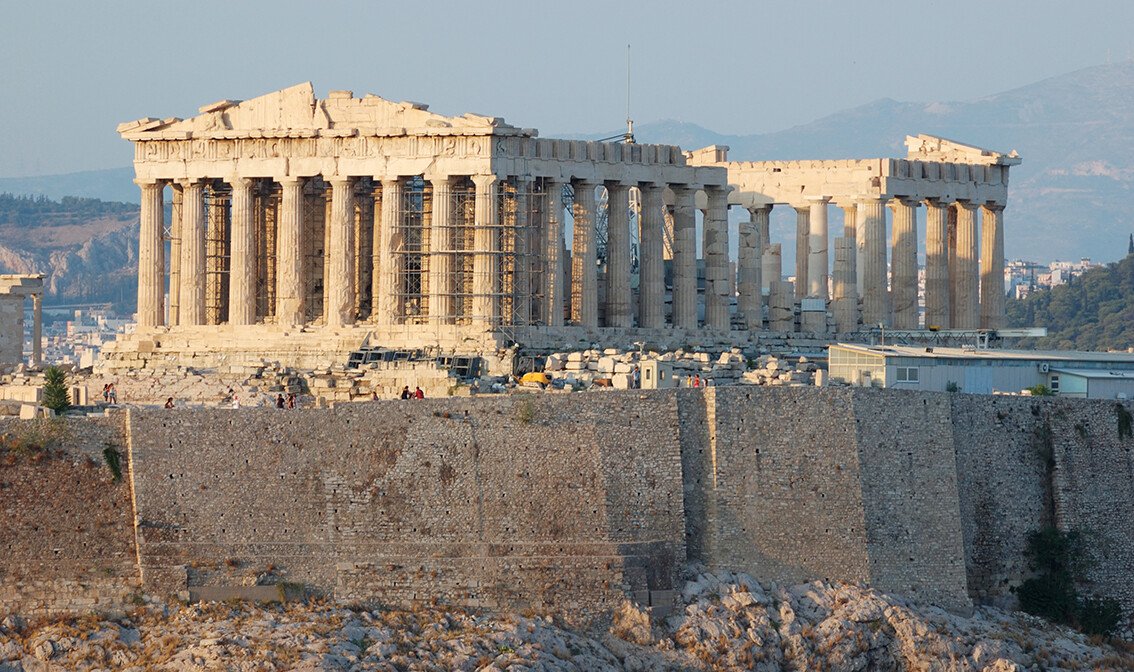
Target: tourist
x=697, y=380
x=406, y=394
x=636, y=378
x=418, y=394
x=112, y=394
x=374, y=395
x=169, y=403
x=236, y=401
x=291, y=400
x=279, y=401
x=106, y=392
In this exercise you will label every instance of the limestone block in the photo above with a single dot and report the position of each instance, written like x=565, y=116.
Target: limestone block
x=820, y=378
x=620, y=381
x=621, y=367
x=610, y=352
x=28, y=411
x=554, y=363
x=578, y=365
x=606, y=364
x=574, y=357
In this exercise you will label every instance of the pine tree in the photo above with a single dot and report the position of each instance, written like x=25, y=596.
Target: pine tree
x=55, y=393
x=1130, y=248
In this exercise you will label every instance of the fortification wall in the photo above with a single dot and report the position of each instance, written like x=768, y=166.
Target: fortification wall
x=68, y=534
x=569, y=500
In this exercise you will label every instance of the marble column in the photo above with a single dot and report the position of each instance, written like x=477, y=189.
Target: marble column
x=386, y=298
x=242, y=267
x=441, y=251
x=37, y=329
x=965, y=297
x=339, y=295
x=486, y=258
x=289, y=255
x=192, y=311
x=618, y=298
x=684, y=257
x=651, y=275
x=714, y=246
x=522, y=228
x=851, y=233
x=771, y=267
x=817, y=261
x=376, y=249
x=584, y=270
x=936, y=264
x=749, y=264
x=871, y=226
x=992, y=266
x=151, y=255
x=903, y=271
x=553, y=253
x=175, y=255
x=802, y=248
x=781, y=306
x=845, y=291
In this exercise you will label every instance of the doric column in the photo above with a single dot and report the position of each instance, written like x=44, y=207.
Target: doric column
x=965, y=297
x=289, y=259
x=771, y=267
x=553, y=253
x=618, y=298
x=684, y=257
x=441, y=251
x=936, y=264
x=871, y=225
x=242, y=268
x=781, y=305
x=749, y=263
x=992, y=267
x=37, y=329
x=523, y=226
x=802, y=248
x=192, y=310
x=714, y=246
x=846, y=294
x=651, y=273
x=151, y=256
x=339, y=293
x=386, y=299
x=175, y=255
x=486, y=262
x=903, y=271
x=817, y=263
x=584, y=274
x=852, y=234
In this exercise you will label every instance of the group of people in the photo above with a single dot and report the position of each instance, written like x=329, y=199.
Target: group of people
x=285, y=403
x=109, y=394
x=416, y=394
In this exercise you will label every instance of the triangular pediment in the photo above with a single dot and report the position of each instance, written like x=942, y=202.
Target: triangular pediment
x=931, y=148
x=296, y=109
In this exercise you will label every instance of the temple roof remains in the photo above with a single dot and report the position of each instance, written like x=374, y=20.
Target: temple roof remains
x=296, y=112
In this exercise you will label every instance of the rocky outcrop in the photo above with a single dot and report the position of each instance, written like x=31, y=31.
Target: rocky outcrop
x=729, y=622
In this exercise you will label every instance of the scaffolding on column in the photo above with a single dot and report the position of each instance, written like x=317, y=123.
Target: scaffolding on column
x=410, y=243
x=218, y=228
x=265, y=217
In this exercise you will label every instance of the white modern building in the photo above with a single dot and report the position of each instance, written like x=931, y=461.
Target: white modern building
x=1096, y=375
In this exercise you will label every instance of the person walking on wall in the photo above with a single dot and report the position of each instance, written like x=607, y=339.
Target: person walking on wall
x=406, y=394
x=113, y=394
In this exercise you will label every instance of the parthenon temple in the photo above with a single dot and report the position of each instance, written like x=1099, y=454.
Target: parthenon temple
x=299, y=223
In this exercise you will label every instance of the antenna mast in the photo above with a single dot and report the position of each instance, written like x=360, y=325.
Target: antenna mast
x=629, y=138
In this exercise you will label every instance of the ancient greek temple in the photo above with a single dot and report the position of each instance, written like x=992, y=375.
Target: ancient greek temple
x=362, y=219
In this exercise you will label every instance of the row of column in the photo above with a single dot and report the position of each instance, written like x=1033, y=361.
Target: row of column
x=963, y=290
x=188, y=274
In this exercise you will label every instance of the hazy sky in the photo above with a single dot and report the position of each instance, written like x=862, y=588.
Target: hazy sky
x=73, y=70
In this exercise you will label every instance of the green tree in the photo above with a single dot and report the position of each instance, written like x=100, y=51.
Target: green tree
x=55, y=393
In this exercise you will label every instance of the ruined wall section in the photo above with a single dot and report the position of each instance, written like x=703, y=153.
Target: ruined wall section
x=782, y=486
x=1000, y=455
x=1093, y=487
x=68, y=535
x=909, y=493
x=566, y=501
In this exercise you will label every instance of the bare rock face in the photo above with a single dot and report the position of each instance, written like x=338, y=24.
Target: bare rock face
x=725, y=622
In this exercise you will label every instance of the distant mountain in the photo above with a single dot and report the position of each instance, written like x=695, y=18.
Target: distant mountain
x=1069, y=199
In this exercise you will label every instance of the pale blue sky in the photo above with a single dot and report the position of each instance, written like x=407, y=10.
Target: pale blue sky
x=73, y=70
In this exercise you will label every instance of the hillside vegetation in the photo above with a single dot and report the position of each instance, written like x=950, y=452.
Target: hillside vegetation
x=1093, y=312
x=33, y=211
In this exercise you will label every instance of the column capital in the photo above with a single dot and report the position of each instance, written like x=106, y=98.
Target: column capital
x=339, y=180
x=817, y=200
x=937, y=202
x=289, y=180
x=149, y=182
x=484, y=181
x=185, y=182
x=237, y=181
x=907, y=201
x=994, y=207
x=755, y=210
x=389, y=180
x=440, y=180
